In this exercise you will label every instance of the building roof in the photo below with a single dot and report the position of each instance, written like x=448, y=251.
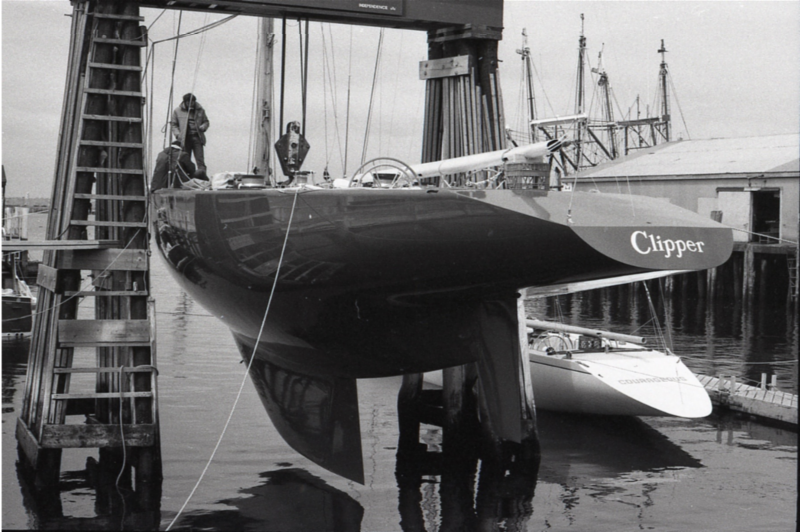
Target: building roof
x=747, y=155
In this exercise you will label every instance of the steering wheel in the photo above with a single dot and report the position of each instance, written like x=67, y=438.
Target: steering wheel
x=554, y=340
x=405, y=175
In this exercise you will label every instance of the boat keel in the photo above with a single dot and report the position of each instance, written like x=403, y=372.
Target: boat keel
x=316, y=416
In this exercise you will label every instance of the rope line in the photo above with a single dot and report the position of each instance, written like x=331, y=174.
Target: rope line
x=249, y=364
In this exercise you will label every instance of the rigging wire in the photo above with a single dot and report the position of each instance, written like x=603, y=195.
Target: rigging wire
x=325, y=96
x=168, y=121
x=249, y=364
x=680, y=110
x=199, y=55
x=329, y=78
x=396, y=85
x=347, y=115
x=304, y=71
x=375, y=74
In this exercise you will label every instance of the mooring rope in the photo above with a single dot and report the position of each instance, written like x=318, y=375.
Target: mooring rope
x=249, y=364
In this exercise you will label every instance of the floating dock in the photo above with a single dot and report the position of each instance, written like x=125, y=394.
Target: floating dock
x=761, y=401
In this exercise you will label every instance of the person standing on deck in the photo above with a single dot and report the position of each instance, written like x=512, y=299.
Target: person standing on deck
x=189, y=124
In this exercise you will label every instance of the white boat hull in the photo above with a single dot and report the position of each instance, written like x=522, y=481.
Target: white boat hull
x=640, y=383
x=621, y=383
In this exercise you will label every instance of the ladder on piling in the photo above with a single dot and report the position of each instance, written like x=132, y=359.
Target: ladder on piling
x=99, y=363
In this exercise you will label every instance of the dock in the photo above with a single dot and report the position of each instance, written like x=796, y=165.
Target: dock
x=761, y=401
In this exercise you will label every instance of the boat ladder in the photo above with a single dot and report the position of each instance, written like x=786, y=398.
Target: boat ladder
x=97, y=359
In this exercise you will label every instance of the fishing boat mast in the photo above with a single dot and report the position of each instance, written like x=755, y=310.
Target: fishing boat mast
x=608, y=112
x=580, y=93
x=662, y=77
x=525, y=52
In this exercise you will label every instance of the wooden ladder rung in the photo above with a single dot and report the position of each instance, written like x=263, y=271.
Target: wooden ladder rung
x=114, y=118
x=97, y=435
x=60, y=245
x=114, y=66
x=101, y=170
x=109, y=144
x=118, y=17
x=103, y=223
x=125, y=369
x=110, y=92
x=124, y=42
x=114, y=343
x=110, y=197
x=104, y=259
x=99, y=395
x=106, y=293
x=103, y=333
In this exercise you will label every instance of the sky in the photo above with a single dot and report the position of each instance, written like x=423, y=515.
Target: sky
x=735, y=69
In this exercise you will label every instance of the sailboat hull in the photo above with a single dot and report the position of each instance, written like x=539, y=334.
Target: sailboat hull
x=379, y=282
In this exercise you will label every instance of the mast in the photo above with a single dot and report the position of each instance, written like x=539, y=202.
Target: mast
x=525, y=52
x=579, y=99
x=263, y=143
x=662, y=76
x=608, y=111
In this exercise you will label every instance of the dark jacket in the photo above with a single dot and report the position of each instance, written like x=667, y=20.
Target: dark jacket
x=181, y=164
x=180, y=119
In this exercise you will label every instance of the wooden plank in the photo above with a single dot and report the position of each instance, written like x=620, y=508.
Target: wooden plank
x=107, y=293
x=100, y=395
x=114, y=118
x=118, y=17
x=119, y=197
x=103, y=170
x=90, y=332
x=134, y=369
x=108, y=144
x=124, y=42
x=28, y=443
x=61, y=245
x=111, y=66
x=47, y=278
x=105, y=223
x=104, y=259
x=88, y=436
x=444, y=67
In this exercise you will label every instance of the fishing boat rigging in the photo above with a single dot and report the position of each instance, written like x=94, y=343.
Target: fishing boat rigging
x=601, y=136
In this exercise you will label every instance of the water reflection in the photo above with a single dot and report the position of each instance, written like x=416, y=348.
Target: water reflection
x=15, y=365
x=579, y=449
x=289, y=500
x=448, y=491
x=93, y=491
x=502, y=499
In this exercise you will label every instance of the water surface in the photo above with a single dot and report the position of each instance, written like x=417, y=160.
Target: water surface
x=595, y=474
